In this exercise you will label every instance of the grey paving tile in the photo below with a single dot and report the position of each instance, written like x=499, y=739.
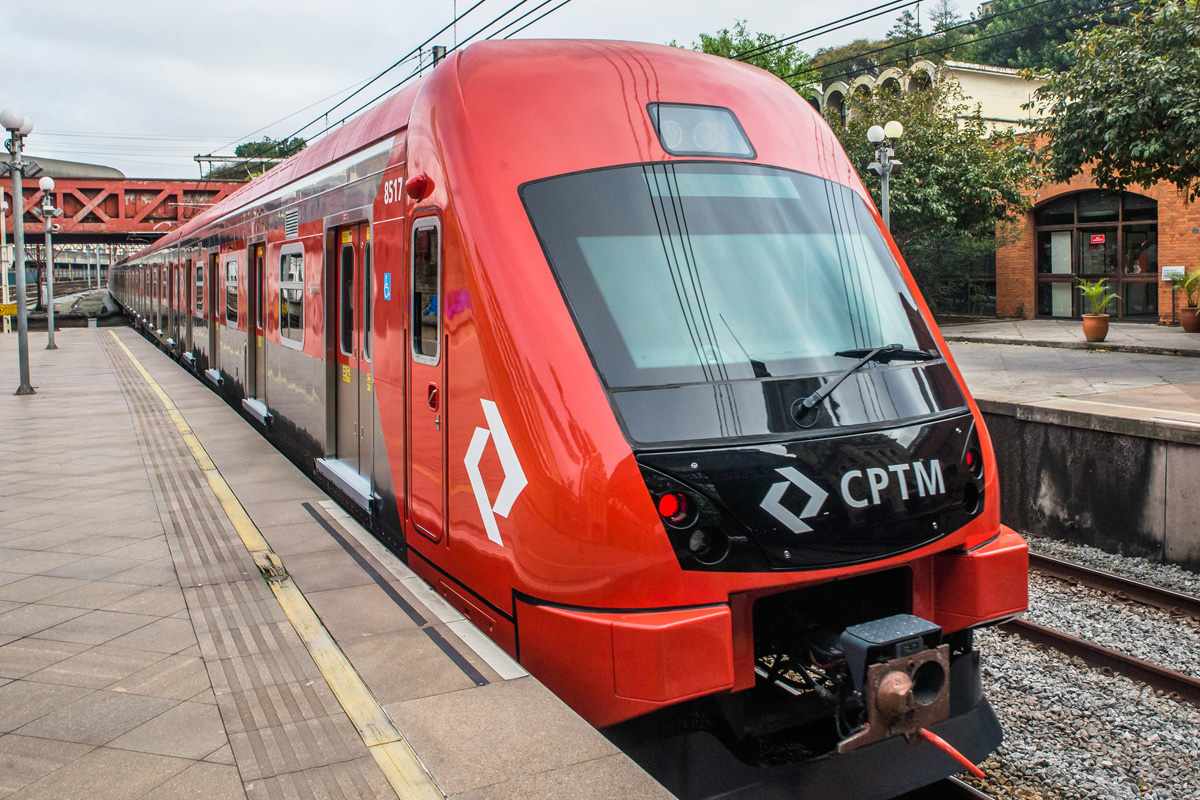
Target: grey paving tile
x=24, y=701
x=96, y=545
x=92, y=595
x=47, y=539
x=298, y=538
x=149, y=573
x=327, y=569
x=106, y=774
x=598, y=779
x=539, y=732
x=24, y=656
x=34, y=617
x=426, y=670
x=30, y=589
x=95, y=668
x=202, y=782
x=24, y=760
x=358, y=611
x=176, y=677
x=94, y=627
x=246, y=640
x=222, y=755
x=162, y=636
x=189, y=730
x=97, y=718
x=9, y=605
x=144, y=550
x=92, y=568
x=9, y=577
x=264, y=752
x=164, y=600
x=39, y=563
x=359, y=779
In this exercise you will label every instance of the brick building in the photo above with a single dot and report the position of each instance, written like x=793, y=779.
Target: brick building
x=1073, y=230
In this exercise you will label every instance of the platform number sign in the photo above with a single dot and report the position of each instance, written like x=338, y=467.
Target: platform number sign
x=387, y=286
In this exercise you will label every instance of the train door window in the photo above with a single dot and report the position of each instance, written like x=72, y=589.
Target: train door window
x=231, y=291
x=368, y=305
x=199, y=288
x=425, y=280
x=260, y=284
x=291, y=298
x=346, y=294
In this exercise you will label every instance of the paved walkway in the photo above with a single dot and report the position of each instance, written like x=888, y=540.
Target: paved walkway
x=143, y=655
x=1130, y=337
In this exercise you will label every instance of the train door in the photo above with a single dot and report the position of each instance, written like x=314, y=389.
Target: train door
x=216, y=310
x=256, y=353
x=354, y=427
x=185, y=306
x=426, y=449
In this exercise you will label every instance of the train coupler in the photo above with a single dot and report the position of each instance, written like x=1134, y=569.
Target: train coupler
x=902, y=674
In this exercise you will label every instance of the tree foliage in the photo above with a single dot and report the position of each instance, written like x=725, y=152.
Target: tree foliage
x=1129, y=106
x=265, y=147
x=1025, y=37
x=788, y=62
x=957, y=184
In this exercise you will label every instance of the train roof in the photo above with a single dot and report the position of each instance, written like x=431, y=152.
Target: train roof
x=525, y=107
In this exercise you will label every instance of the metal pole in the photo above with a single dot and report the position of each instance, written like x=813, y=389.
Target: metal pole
x=48, y=223
x=884, y=181
x=18, y=205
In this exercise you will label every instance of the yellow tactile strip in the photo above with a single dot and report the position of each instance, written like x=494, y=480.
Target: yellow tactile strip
x=395, y=758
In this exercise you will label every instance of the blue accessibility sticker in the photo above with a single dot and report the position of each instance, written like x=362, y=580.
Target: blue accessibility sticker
x=387, y=286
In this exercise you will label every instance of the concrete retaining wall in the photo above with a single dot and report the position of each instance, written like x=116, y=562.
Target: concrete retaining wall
x=1123, y=485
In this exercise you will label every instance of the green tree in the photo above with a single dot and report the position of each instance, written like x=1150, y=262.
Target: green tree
x=263, y=148
x=957, y=185
x=1031, y=37
x=786, y=61
x=1129, y=106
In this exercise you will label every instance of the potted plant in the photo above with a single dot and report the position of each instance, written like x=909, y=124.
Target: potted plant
x=1189, y=315
x=1098, y=299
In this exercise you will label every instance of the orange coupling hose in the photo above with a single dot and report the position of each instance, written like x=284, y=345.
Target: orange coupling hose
x=949, y=750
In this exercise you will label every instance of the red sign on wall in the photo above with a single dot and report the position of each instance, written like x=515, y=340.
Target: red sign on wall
x=1096, y=238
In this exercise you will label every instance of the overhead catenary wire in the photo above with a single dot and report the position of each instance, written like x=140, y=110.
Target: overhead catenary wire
x=450, y=50
x=826, y=27
x=1001, y=34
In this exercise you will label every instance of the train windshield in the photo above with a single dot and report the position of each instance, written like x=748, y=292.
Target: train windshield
x=686, y=272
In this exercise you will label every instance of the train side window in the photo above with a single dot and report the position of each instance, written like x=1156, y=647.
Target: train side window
x=368, y=305
x=291, y=298
x=231, y=291
x=426, y=278
x=199, y=287
x=346, y=292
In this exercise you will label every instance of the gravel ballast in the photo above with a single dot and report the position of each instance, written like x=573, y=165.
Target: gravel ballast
x=1168, y=576
x=1071, y=731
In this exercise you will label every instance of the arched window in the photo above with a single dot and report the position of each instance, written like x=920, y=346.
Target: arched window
x=835, y=105
x=1096, y=234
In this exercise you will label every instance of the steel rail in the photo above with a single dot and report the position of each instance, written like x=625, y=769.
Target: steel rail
x=1106, y=581
x=948, y=789
x=1095, y=655
x=959, y=788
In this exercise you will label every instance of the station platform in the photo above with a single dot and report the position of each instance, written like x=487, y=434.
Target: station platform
x=183, y=614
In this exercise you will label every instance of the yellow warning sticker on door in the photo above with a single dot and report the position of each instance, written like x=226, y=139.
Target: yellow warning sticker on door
x=347, y=237
x=345, y=373
x=370, y=381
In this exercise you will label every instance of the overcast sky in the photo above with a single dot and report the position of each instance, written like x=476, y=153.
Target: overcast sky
x=144, y=86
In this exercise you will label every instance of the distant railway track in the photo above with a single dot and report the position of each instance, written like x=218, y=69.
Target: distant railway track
x=1099, y=656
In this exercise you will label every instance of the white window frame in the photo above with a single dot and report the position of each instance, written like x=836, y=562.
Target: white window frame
x=418, y=225
x=295, y=248
x=237, y=280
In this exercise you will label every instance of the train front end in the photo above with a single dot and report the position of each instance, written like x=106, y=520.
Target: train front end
x=767, y=577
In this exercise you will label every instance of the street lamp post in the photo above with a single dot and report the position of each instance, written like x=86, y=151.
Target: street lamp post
x=49, y=213
x=18, y=128
x=885, y=163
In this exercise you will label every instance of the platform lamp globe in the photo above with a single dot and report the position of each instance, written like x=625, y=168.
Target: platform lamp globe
x=49, y=214
x=883, y=136
x=18, y=128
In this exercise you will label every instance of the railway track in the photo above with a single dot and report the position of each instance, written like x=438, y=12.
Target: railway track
x=1099, y=656
x=949, y=789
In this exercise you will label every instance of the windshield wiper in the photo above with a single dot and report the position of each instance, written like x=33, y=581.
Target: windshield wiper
x=884, y=354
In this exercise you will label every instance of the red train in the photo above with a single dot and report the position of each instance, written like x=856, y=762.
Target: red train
x=608, y=341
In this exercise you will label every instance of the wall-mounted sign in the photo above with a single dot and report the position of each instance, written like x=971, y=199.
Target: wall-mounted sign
x=1172, y=273
x=1096, y=238
x=387, y=286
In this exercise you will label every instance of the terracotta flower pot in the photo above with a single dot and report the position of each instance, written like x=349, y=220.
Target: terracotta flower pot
x=1189, y=318
x=1095, y=327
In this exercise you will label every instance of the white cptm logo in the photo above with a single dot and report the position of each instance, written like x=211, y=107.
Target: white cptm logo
x=514, y=476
